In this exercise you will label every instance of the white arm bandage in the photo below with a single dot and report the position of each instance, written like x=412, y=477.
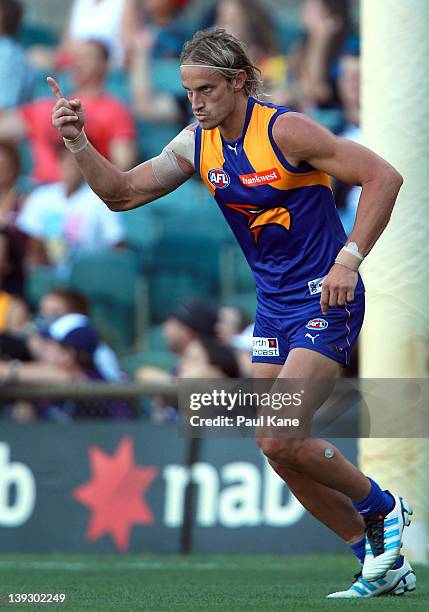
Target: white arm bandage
x=349, y=257
x=165, y=166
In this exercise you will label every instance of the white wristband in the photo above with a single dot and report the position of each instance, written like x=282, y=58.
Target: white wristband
x=77, y=144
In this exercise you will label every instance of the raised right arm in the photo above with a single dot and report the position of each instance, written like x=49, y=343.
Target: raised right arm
x=120, y=190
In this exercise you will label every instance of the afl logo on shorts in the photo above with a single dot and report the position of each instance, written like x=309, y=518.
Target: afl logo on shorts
x=218, y=178
x=317, y=324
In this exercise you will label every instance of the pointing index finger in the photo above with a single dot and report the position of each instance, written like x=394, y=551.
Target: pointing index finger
x=55, y=88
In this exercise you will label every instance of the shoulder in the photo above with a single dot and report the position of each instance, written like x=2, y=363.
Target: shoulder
x=192, y=127
x=294, y=127
x=183, y=145
x=298, y=135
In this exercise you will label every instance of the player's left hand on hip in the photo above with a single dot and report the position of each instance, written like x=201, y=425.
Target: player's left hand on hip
x=338, y=287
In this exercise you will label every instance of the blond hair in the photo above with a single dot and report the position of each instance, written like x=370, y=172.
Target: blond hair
x=217, y=48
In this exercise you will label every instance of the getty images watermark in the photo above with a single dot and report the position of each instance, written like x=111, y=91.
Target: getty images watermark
x=349, y=408
x=243, y=408
x=235, y=402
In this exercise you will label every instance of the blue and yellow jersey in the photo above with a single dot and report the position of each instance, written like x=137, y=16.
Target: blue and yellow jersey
x=284, y=217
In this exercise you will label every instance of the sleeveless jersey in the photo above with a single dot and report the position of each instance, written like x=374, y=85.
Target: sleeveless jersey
x=283, y=217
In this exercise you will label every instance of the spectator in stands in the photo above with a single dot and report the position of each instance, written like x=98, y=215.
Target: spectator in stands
x=349, y=91
x=112, y=129
x=251, y=23
x=112, y=22
x=326, y=23
x=230, y=322
x=203, y=357
x=69, y=346
x=70, y=343
x=148, y=104
x=168, y=29
x=312, y=69
x=246, y=19
x=191, y=319
x=59, y=302
x=27, y=344
x=65, y=219
x=347, y=196
x=14, y=313
x=11, y=198
x=103, y=20
x=206, y=357
x=16, y=75
x=242, y=345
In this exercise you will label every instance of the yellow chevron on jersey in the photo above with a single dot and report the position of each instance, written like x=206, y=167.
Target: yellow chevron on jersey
x=261, y=155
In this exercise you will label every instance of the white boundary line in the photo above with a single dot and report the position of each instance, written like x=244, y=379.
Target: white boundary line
x=134, y=565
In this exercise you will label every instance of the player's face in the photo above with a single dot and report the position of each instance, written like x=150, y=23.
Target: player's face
x=210, y=94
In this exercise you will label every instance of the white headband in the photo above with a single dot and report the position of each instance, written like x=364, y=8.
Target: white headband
x=209, y=66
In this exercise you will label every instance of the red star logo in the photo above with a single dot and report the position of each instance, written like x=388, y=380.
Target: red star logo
x=115, y=493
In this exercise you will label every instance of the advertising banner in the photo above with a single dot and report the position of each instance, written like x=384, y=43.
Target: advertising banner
x=101, y=488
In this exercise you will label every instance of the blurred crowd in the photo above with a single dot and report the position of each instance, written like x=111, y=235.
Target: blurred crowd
x=120, y=57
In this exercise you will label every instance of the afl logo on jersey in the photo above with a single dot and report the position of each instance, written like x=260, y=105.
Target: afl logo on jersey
x=317, y=324
x=218, y=178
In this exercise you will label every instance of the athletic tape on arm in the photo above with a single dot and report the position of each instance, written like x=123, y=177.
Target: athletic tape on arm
x=165, y=166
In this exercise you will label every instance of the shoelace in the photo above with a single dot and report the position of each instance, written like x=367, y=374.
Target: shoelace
x=375, y=533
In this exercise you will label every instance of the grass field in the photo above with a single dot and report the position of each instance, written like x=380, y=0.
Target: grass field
x=166, y=583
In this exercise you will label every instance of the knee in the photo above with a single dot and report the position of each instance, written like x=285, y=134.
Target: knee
x=295, y=480
x=285, y=452
x=271, y=447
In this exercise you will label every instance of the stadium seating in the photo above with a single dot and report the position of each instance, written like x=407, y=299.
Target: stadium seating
x=240, y=278
x=181, y=267
x=152, y=136
x=39, y=281
x=244, y=301
x=158, y=359
x=36, y=34
x=116, y=289
x=289, y=33
x=142, y=228
x=166, y=76
x=118, y=85
x=155, y=339
x=191, y=208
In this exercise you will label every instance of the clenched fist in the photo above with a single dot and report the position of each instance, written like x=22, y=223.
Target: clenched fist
x=67, y=115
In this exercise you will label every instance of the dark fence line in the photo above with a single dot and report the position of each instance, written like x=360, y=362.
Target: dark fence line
x=90, y=390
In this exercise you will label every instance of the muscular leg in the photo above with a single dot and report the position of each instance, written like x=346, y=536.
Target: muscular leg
x=307, y=455
x=330, y=507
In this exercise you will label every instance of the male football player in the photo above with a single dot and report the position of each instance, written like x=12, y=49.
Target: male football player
x=268, y=169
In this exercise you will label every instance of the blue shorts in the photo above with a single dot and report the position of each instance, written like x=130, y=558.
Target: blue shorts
x=333, y=335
